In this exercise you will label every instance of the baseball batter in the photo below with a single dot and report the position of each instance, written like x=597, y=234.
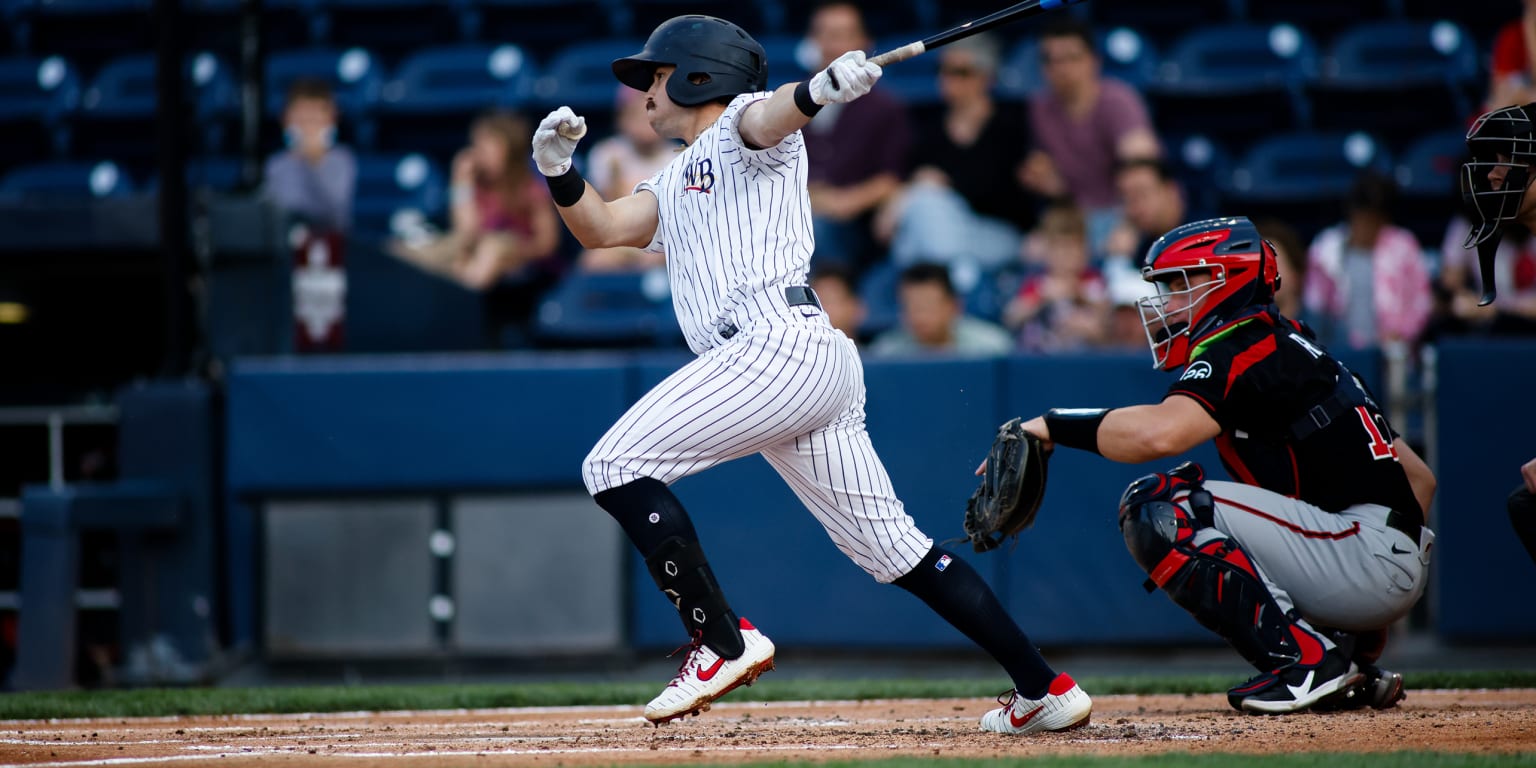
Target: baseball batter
x=1320, y=545
x=771, y=376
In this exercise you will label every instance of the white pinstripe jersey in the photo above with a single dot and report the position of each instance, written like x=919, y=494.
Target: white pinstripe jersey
x=733, y=223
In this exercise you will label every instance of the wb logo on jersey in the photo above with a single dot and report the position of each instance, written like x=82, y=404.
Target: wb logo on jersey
x=1200, y=369
x=699, y=176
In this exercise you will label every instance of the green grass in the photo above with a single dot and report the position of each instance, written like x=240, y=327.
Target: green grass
x=1187, y=760
x=220, y=701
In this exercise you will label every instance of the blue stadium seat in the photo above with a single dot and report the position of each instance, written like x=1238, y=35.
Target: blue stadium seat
x=877, y=290
x=118, y=108
x=1162, y=22
x=390, y=27
x=65, y=180
x=638, y=17
x=581, y=75
x=784, y=53
x=608, y=310
x=1428, y=174
x=542, y=27
x=355, y=74
x=91, y=32
x=388, y=184
x=1124, y=54
x=1398, y=78
x=1234, y=81
x=914, y=81
x=1321, y=14
x=1482, y=18
x=436, y=91
x=1301, y=177
x=216, y=24
x=36, y=94
x=1201, y=165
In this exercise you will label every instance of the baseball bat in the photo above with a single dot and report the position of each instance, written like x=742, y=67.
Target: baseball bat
x=1022, y=10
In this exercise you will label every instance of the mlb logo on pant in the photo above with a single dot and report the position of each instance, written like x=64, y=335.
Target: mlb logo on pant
x=942, y=563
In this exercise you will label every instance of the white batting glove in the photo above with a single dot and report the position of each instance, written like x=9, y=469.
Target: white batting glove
x=850, y=76
x=555, y=141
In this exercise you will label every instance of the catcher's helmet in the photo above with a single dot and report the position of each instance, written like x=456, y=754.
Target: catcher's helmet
x=1243, y=274
x=1502, y=144
x=714, y=59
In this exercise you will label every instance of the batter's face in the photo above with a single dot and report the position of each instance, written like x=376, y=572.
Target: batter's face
x=666, y=116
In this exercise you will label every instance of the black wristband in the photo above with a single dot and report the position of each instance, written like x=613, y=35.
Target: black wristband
x=566, y=188
x=803, y=100
x=1076, y=427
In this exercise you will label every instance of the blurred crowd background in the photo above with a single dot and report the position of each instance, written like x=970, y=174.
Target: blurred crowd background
x=994, y=196
x=187, y=182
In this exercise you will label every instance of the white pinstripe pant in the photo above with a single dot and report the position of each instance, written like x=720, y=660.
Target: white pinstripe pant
x=787, y=386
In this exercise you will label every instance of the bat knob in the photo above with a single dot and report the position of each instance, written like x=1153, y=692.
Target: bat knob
x=573, y=131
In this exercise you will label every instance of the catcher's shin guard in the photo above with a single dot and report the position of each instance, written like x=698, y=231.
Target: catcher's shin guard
x=1212, y=578
x=682, y=573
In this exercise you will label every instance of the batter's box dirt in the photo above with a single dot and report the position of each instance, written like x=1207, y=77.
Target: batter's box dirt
x=1501, y=721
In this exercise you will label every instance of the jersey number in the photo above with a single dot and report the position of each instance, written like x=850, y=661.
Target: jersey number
x=1381, y=448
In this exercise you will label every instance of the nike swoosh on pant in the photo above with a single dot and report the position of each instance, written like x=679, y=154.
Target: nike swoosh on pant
x=1019, y=722
x=1397, y=551
x=706, y=675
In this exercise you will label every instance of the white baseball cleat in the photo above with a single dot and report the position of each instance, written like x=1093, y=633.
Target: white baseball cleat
x=706, y=676
x=1064, y=707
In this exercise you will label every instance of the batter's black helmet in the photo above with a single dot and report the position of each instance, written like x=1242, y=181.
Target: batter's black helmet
x=714, y=59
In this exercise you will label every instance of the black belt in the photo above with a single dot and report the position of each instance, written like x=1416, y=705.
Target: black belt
x=795, y=295
x=1407, y=522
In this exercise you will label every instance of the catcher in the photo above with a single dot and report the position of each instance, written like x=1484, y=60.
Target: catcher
x=1304, y=562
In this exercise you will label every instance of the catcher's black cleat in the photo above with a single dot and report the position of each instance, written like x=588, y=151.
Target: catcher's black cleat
x=1381, y=689
x=1294, y=688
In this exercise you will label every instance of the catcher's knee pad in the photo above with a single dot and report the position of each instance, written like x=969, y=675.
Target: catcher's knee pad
x=1211, y=577
x=682, y=573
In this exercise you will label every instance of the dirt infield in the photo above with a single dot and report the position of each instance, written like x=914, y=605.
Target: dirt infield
x=1454, y=721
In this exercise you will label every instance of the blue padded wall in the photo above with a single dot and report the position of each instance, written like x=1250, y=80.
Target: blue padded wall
x=1487, y=419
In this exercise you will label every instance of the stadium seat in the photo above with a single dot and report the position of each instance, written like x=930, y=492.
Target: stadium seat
x=608, y=310
x=1397, y=78
x=216, y=24
x=1162, y=22
x=65, y=180
x=784, y=58
x=1428, y=174
x=36, y=94
x=389, y=27
x=436, y=91
x=877, y=290
x=389, y=184
x=1234, y=81
x=117, y=113
x=91, y=32
x=1124, y=54
x=1481, y=18
x=581, y=76
x=1200, y=165
x=638, y=17
x=1319, y=14
x=1301, y=177
x=541, y=27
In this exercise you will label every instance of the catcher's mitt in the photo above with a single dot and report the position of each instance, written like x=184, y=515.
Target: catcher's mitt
x=1012, y=487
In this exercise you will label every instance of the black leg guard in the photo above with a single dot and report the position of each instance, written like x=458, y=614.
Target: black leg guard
x=1214, y=581
x=660, y=528
x=683, y=574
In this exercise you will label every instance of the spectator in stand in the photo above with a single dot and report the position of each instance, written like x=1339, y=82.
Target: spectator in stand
x=1367, y=281
x=933, y=320
x=1460, y=281
x=1290, y=257
x=1512, y=74
x=839, y=295
x=1083, y=124
x=1066, y=307
x=1153, y=203
x=313, y=179
x=857, y=149
x=505, y=236
x=964, y=201
x=618, y=163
